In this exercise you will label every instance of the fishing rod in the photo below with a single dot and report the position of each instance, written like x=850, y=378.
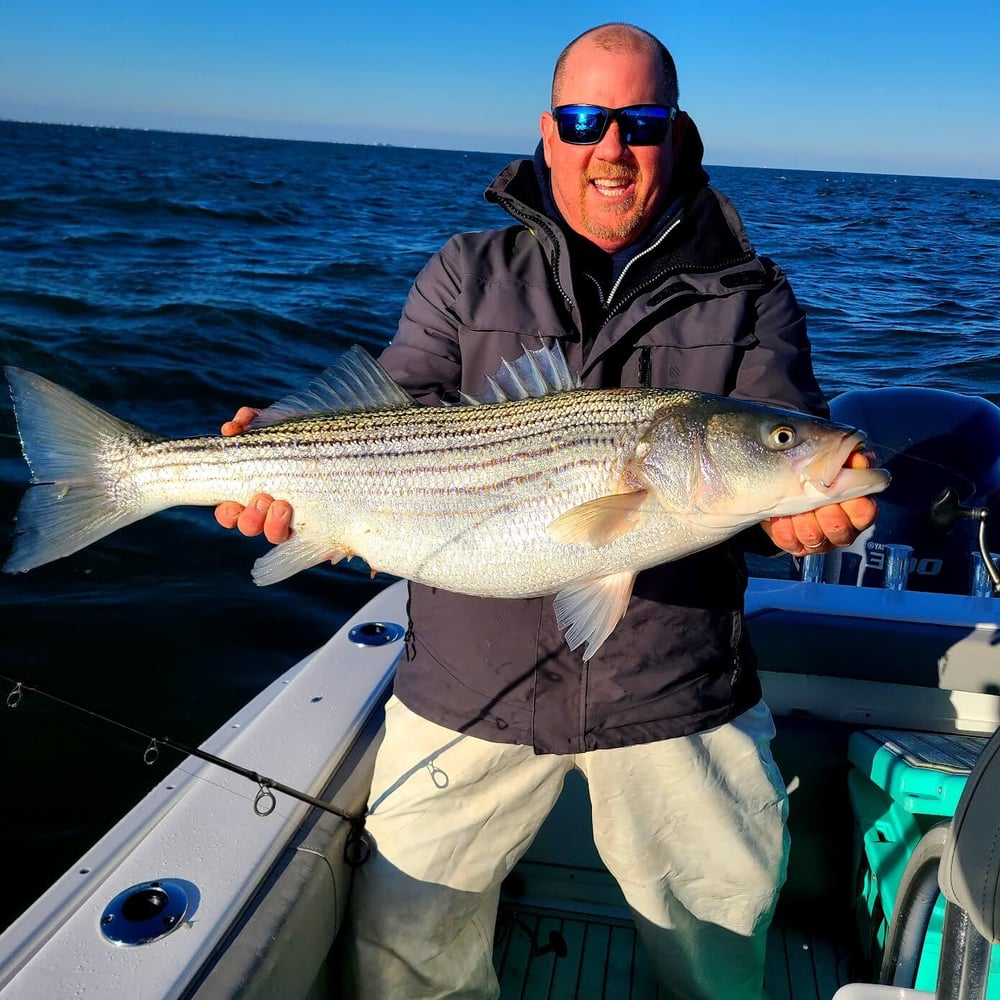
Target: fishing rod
x=358, y=847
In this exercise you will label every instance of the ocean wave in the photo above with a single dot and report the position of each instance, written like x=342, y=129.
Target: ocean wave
x=349, y=270
x=153, y=206
x=30, y=300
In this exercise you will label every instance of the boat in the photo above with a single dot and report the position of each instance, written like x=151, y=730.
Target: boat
x=881, y=665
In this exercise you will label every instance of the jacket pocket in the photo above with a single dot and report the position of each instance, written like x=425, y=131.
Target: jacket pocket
x=706, y=368
x=691, y=344
x=510, y=305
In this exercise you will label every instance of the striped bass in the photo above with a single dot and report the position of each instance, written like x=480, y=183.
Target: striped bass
x=539, y=486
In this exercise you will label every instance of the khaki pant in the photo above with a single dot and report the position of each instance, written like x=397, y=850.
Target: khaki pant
x=692, y=828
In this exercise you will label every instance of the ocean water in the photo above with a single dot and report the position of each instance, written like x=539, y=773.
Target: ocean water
x=171, y=278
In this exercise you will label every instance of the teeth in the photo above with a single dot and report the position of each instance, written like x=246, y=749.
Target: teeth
x=609, y=186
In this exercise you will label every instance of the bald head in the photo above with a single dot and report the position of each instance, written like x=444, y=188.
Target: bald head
x=621, y=38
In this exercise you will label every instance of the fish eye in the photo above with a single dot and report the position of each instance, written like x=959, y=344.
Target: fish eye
x=782, y=437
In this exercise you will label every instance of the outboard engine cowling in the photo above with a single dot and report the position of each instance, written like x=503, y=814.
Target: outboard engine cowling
x=930, y=440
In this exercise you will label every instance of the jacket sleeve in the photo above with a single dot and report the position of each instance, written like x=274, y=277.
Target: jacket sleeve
x=778, y=370
x=423, y=356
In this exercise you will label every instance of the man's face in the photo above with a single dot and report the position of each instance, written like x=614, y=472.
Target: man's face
x=608, y=192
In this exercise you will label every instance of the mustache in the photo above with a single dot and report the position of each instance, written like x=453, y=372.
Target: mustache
x=613, y=172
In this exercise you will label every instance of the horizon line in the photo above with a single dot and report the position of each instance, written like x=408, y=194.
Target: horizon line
x=457, y=149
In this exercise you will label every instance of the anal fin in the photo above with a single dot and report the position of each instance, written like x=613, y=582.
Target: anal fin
x=589, y=611
x=292, y=557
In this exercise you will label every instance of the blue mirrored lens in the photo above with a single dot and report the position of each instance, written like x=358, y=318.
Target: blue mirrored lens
x=643, y=126
x=581, y=123
x=640, y=124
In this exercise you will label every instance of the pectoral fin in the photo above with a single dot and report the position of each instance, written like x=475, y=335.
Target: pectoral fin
x=589, y=611
x=599, y=522
x=292, y=557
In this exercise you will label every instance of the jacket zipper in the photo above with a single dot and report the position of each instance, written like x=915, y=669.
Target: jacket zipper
x=533, y=221
x=645, y=378
x=653, y=246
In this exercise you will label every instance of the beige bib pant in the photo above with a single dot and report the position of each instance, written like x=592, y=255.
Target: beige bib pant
x=692, y=828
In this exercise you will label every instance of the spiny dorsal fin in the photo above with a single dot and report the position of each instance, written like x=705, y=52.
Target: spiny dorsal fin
x=355, y=382
x=532, y=375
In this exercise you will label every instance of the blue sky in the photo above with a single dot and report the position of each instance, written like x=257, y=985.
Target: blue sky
x=898, y=86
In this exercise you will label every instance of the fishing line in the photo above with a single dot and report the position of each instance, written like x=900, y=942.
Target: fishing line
x=883, y=450
x=358, y=847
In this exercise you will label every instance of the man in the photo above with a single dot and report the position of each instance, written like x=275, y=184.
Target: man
x=643, y=274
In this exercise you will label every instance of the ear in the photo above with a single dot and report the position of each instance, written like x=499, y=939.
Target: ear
x=550, y=134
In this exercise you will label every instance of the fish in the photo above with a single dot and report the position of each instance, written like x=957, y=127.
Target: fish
x=535, y=486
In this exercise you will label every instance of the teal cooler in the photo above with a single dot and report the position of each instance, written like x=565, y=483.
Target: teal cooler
x=901, y=784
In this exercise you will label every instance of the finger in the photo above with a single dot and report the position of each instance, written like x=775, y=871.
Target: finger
x=835, y=525
x=228, y=513
x=251, y=521
x=809, y=532
x=244, y=417
x=861, y=512
x=782, y=532
x=786, y=532
x=278, y=522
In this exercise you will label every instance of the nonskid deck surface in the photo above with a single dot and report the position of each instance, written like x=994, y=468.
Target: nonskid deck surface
x=604, y=960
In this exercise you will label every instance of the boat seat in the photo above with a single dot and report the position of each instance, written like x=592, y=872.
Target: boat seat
x=970, y=866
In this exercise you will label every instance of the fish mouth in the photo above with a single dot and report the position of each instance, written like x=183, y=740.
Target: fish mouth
x=826, y=471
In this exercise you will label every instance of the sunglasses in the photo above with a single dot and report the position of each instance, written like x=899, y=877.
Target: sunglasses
x=639, y=124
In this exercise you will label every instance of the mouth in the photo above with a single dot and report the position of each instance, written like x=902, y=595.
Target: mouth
x=613, y=187
x=830, y=466
x=827, y=473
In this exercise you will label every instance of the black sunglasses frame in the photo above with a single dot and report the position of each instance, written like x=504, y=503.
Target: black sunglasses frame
x=652, y=135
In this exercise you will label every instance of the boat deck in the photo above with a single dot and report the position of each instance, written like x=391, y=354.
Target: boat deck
x=604, y=960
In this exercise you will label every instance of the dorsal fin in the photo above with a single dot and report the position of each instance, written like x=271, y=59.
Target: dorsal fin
x=534, y=374
x=355, y=382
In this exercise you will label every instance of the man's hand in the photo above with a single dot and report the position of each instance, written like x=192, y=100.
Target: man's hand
x=833, y=526
x=263, y=513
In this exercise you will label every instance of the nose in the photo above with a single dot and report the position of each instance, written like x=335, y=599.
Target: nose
x=611, y=146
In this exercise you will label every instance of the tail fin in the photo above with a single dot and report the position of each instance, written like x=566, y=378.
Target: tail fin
x=66, y=442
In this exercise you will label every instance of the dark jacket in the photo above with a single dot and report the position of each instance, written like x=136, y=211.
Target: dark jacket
x=694, y=308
